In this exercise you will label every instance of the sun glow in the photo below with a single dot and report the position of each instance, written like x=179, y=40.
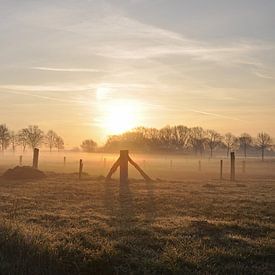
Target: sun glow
x=102, y=92
x=121, y=115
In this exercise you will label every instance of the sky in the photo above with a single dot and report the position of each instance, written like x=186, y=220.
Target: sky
x=91, y=68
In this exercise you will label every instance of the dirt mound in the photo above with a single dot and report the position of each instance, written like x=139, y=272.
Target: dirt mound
x=24, y=172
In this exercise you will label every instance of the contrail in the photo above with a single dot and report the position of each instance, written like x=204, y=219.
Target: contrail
x=74, y=70
x=51, y=98
x=202, y=112
x=216, y=115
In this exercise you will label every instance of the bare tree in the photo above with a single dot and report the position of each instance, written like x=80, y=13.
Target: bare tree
x=197, y=139
x=59, y=143
x=230, y=142
x=165, y=137
x=4, y=137
x=34, y=136
x=23, y=139
x=151, y=137
x=213, y=140
x=180, y=136
x=88, y=145
x=264, y=141
x=245, y=141
x=50, y=139
x=13, y=140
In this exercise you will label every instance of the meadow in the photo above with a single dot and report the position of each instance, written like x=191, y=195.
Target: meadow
x=186, y=222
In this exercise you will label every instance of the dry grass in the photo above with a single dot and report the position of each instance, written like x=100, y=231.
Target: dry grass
x=59, y=225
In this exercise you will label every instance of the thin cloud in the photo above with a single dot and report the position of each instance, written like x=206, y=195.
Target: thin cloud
x=135, y=40
x=259, y=69
x=73, y=70
x=74, y=87
x=117, y=36
x=48, y=88
x=63, y=100
x=264, y=75
x=216, y=115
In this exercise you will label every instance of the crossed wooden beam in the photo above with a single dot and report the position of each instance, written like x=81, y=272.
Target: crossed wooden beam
x=122, y=162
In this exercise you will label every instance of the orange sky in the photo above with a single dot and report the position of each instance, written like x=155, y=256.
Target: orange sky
x=93, y=68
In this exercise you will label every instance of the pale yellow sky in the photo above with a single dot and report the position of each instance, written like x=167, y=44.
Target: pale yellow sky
x=93, y=68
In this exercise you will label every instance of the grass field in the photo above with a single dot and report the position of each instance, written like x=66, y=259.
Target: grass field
x=60, y=225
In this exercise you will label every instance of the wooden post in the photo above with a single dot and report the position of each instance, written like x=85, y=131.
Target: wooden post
x=80, y=169
x=122, y=162
x=35, y=158
x=232, y=176
x=124, y=157
x=244, y=167
x=65, y=159
x=20, y=160
x=145, y=176
x=221, y=169
x=199, y=165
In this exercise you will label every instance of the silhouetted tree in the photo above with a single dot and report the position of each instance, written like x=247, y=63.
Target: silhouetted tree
x=88, y=145
x=245, y=141
x=174, y=138
x=180, y=136
x=4, y=136
x=213, y=140
x=165, y=137
x=50, y=139
x=34, y=136
x=264, y=141
x=23, y=139
x=151, y=137
x=230, y=142
x=197, y=139
x=59, y=143
x=13, y=140
x=133, y=140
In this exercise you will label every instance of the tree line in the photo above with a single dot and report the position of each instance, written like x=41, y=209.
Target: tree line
x=31, y=136
x=182, y=139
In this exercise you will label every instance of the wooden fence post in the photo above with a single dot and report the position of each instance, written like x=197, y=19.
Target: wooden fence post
x=124, y=157
x=80, y=169
x=122, y=162
x=65, y=159
x=199, y=165
x=20, y=160
x=232, y=176
x=35, y=158
x=221, y=169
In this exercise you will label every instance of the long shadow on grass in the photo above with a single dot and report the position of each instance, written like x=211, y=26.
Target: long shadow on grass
x=150, y=207
x=123, y=207
x=138, y=247
x=19, y=255
x=108, y=199
x=241, y=254
x=126, y=211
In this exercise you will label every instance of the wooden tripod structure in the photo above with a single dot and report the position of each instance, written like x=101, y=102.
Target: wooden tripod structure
x=122, y=162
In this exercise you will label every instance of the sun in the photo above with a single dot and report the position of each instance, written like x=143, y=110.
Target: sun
x=121, y=116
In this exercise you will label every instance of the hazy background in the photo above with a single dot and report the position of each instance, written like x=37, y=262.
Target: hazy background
x=72, y=65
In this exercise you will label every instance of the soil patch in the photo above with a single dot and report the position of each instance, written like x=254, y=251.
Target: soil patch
x=24, y=172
